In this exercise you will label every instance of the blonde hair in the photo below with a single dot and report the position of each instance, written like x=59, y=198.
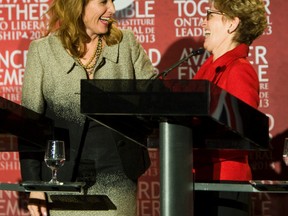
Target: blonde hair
x=65, y=19
x=252, y=17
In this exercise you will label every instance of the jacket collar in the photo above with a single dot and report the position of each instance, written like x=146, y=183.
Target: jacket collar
x=111, y=53
x=240, y=51
x=68, y=62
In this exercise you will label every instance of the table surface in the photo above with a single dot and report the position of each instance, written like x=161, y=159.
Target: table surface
x=251, y=186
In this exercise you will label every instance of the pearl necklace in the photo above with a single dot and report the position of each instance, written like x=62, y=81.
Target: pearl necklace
x=90, y=65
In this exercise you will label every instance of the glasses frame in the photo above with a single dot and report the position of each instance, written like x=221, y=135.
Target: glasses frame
x=213, y=12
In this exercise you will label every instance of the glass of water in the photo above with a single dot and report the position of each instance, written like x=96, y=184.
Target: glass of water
x=55, y=158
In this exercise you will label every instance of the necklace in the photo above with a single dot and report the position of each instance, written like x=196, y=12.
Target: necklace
x=90, y=65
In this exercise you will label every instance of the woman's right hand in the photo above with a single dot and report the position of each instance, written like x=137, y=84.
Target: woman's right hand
x=37, y=204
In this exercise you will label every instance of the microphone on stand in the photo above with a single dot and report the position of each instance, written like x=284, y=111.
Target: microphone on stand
x=193, y=53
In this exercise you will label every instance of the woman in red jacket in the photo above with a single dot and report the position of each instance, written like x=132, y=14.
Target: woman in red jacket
x=230, y=27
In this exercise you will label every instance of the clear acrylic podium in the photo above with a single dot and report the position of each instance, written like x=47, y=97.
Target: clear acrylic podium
x=188, y=113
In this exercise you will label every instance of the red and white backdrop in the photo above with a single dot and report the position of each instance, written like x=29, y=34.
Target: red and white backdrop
x=168, y=30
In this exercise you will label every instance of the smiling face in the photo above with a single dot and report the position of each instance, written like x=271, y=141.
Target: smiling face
x=97, y=14
x=218, y=32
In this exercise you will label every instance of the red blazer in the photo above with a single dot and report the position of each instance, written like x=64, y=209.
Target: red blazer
x=233, y=73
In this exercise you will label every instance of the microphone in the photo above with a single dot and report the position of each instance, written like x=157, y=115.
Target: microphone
x=193, y=53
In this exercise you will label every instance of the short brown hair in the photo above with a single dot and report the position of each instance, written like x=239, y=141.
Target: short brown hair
x=252, y=17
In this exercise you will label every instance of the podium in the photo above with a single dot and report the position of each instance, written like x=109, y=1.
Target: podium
x=188, y=113
x=30, y=131
x=29, y=128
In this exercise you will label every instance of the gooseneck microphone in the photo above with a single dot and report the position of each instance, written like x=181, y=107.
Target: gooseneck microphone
x=193, y=53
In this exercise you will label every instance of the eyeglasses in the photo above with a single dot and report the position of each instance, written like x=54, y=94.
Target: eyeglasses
x=209, y=12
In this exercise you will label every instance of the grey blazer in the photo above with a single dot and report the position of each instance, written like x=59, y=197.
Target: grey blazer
x=52, y=85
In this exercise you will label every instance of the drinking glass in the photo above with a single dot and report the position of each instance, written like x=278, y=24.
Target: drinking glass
x=54, y=158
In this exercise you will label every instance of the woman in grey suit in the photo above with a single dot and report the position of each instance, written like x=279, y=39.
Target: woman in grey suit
x=83, y=42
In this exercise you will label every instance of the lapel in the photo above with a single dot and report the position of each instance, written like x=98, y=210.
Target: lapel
x=111, y=53
x=67, y=61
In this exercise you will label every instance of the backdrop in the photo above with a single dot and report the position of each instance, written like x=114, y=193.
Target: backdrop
x=168, y=30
